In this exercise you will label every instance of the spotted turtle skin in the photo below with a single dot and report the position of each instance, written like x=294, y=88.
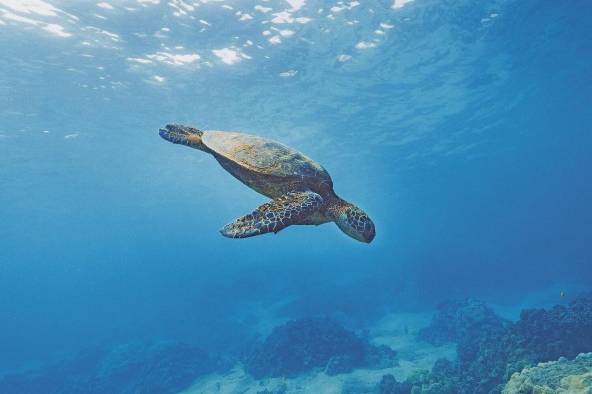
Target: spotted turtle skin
x=275, y=215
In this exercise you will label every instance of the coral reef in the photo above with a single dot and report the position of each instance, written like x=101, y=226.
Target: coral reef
x=540, y=335
x=140, y=369
x=160, y=368
x=303, y=345
x=486, y=358
x=560, y=376
x=436, y=382
x=493, y=356
x=390, y=385
x=455, y=320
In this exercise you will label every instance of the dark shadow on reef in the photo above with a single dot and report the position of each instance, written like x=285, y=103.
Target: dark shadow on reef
x=491, y=349
x=160, y=368
x=304, y=345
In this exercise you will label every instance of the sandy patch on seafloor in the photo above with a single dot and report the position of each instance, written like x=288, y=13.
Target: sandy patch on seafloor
x=395, y=330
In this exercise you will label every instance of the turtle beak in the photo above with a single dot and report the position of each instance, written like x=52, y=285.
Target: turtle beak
x=369, y=234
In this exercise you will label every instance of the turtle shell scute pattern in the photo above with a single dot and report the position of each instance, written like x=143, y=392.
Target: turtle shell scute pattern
x=264, y=156
x=290, y=208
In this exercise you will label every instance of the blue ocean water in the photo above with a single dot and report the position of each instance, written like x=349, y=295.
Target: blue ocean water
x=461, y=127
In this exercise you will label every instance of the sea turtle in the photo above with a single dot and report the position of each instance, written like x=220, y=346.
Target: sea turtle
x=301, y=189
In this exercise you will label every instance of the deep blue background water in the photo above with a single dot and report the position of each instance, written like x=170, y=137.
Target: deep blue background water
x=463, y=129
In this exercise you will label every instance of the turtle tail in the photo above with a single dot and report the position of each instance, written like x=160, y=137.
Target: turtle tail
x=184, y=135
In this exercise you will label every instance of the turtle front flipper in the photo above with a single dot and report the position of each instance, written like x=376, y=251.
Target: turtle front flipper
x=290, y=208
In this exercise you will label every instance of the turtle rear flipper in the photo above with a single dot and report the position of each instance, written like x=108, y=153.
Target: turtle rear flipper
x=290, y=208
x=184, y=135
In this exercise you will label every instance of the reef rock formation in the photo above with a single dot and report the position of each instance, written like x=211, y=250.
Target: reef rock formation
x=304, y=345
x=455, y=320
x=554, y=377
x=488, y=356
x=541, y=335
x=160, y=368
x=390, y=385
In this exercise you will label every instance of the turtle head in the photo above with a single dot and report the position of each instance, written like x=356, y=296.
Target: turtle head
x=353, y=221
